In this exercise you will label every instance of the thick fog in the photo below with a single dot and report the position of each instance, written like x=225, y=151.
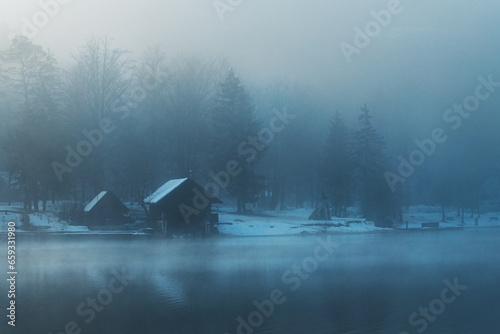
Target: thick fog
x=427, y=57
x=410, y=62
x=427, y=54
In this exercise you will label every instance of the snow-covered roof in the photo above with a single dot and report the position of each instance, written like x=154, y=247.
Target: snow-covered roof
x=95, y=201
x=163, y=191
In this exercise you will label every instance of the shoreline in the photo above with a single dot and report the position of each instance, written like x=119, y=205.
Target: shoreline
x=226, y=236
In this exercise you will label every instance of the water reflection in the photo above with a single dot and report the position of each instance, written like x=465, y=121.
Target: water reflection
x=371, y=284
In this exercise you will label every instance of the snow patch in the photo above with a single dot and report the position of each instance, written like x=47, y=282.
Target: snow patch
x=290, y=222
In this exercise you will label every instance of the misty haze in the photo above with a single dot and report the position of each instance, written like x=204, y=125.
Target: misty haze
x=237, y=166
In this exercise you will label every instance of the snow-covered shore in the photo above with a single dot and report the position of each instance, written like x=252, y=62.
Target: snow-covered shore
x=271, y=223
x=416, y=215
x=44, y=222
x=268, y=223
x=289, y=222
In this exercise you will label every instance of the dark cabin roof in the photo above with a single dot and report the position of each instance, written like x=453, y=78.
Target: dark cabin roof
x=171, y=187
x=105, y=198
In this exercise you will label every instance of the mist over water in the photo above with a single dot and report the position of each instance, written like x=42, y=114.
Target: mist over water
x=185, y=286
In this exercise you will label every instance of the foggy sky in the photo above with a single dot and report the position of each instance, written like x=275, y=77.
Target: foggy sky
x=426, y=59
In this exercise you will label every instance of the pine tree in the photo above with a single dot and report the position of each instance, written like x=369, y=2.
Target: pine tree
x=233, y=123
x=337, y=166
x=376, y=199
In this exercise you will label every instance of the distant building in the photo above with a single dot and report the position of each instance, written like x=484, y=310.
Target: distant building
x=181, y=206
x=105, y=210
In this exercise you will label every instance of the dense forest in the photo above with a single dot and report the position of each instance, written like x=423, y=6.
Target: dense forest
x=109, y=121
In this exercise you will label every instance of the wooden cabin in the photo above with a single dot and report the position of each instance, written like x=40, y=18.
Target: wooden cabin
x=181, y=206
x=105, y=210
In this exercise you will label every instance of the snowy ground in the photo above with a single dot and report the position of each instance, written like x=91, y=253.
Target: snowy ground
x=288, y=222
x=44, y=222
x=416, y=215
x=48, y=223
x=270, y=223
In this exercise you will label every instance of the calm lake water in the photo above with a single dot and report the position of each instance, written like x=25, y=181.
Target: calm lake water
x=370, y=283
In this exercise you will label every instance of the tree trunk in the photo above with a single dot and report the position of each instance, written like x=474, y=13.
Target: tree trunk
x=9, y=187
x=282, y=199
x=35, y=195
x=27, y=197
x=44, y=199
x=83, y=191
x=276, y=191
x=296, y=193
x=240, y=205
x=145, y=209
